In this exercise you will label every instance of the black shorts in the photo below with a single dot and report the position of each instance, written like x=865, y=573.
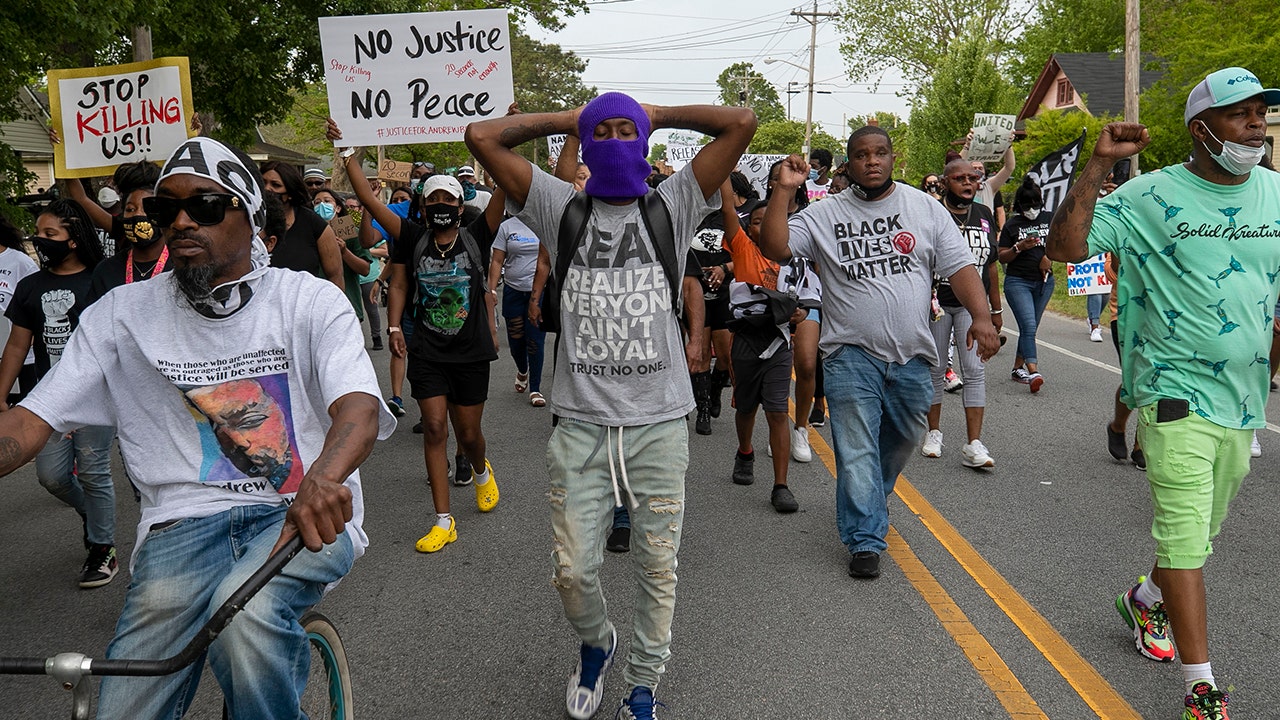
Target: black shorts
x=460, y=383
x=765, y=383
x=718, y=312
x=1115, y=339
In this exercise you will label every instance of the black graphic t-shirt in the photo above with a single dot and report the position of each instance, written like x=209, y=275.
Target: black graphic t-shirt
x=112, y=272
x=447, y=295
x=49, y=306
x=708, y=248
x=1026, y=264
x=978, y=228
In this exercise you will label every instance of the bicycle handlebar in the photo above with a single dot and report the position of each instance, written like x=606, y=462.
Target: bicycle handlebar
x=198, y=644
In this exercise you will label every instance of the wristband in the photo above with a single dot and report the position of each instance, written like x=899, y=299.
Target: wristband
x=998, y=312
x=393, y=330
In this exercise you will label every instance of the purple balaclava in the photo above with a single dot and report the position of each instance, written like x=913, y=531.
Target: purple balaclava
x=619, y=168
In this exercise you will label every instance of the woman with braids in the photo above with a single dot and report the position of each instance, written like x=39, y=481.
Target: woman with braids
x=45, y=310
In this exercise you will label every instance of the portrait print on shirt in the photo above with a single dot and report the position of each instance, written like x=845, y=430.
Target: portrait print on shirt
x=246, y=434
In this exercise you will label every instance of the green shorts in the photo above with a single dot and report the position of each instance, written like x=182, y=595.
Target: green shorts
x=1194, y=468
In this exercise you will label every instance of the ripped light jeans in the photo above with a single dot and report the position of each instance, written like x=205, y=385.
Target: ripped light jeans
x=76, y=469
x=580, y=457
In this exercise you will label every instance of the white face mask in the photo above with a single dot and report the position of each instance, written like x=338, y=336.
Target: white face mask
x=1235, y=158
x=1031, y=214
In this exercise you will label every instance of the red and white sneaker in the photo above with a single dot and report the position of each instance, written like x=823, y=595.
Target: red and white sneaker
x=1150, y=626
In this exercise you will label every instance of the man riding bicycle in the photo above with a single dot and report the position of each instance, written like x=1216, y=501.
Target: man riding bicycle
x=244, y=403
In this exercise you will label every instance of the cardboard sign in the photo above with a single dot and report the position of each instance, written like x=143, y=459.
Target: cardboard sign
x=397, y=172
x=756, y=168
x=1089, y=277
x=992, y=136
x=116, y=114
x=345, y=227
x=416, y=77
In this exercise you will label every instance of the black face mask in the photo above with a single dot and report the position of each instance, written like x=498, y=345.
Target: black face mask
x=869, y=193
x=139, y=231
x=441, y=216
x=52, y=252
x=958, y=202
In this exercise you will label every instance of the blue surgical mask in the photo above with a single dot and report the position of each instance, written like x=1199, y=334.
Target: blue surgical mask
x=325, y=210
x=813, y=174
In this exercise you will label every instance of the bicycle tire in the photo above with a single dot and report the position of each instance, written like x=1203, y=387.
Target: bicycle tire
x=329, y=652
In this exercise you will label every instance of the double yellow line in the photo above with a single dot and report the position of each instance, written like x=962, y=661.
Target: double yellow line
x=1096, y=692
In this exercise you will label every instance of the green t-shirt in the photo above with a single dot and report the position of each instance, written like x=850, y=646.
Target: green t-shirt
x=1196, y=289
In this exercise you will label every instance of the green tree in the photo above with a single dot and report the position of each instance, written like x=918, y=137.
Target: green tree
x=966, y=82
x=1177, y=31
x=1051, y=131
x=657, y=151
x=787, y=136
x=742, y=85
x=909, y=33
x=1065, y=26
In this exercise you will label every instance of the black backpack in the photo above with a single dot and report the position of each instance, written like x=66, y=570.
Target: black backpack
x=573, y=228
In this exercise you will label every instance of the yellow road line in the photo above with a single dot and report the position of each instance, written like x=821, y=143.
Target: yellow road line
x=1096, y=692
x=1093, y=689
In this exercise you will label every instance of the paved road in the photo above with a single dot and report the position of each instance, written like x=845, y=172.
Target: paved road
x=997, y=600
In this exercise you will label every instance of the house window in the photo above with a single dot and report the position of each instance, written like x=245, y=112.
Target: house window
x=1066, y=93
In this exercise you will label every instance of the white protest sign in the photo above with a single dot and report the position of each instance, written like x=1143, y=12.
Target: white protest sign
x=555, y=144
x=107, y=116
x=756, y=168
x=416, y=77
x=992, y=136
x=679, y=155
x=1089, y=277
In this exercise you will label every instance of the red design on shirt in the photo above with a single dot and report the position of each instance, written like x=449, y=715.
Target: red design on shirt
x=905, y=242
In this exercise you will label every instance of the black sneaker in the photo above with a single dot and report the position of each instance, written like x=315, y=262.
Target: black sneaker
x=377, y=343
x=864, y=565
x=782, y=500
x=461, y=471
x=619, y=540
x=744, y=468
x=817, y=418
x=100, y=567
x=396, y=406
x=1139, y=458
x=1116, y=444
x=417, y=428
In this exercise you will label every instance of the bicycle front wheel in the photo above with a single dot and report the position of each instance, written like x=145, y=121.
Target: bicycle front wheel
x=328, y=693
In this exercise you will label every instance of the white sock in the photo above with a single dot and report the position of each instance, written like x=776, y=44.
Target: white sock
x=1148, y=593
x=442, y=521
x=1192, y=674
x=483, y=477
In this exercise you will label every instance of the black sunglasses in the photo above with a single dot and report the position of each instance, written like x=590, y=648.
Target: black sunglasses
x=204, y=209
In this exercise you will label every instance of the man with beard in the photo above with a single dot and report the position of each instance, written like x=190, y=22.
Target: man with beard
x=638, y=380
x=221, y=317
x=878, y=247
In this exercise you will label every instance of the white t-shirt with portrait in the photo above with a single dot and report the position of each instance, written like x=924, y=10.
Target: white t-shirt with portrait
x=214, y=413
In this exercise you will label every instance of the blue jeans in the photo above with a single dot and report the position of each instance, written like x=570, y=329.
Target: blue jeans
x=877, y=420
x=77, y=471
x=579, y=457
x=1094, y=305
x=181, y=575
x=1028, y=299
x=527, y=343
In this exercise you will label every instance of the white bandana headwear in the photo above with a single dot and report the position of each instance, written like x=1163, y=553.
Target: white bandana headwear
x=212, y=160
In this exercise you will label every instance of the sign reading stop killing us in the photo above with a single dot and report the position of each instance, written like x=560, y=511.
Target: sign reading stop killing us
x=416, y=77
x=107, y=116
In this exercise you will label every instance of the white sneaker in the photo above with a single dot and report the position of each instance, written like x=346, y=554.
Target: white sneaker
x=800, y=451
x=1096, y=334
x=932, y=444
x=975, y=455
x=1255, y=448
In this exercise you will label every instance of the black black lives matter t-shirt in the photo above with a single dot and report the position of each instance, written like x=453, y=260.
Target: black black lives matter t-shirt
x=451, y=324
x=1018, y=228
x=978, y=228
x=49, y=306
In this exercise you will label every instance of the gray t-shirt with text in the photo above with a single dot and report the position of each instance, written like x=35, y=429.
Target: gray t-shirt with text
x=621, y=357
x=877, y=261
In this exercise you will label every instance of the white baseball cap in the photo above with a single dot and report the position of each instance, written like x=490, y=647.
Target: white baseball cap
x=442, y=182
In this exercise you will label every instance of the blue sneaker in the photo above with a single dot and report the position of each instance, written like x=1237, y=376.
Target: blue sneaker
x=640, y=705
x=586, y=684
x=396, y=406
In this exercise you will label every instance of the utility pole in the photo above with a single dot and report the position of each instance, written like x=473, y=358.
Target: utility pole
x=1131, y=65
x=142, y=43
x=744, y=95
x=811, y=18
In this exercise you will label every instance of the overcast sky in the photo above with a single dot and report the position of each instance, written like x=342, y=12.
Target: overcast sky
x=669, y=52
